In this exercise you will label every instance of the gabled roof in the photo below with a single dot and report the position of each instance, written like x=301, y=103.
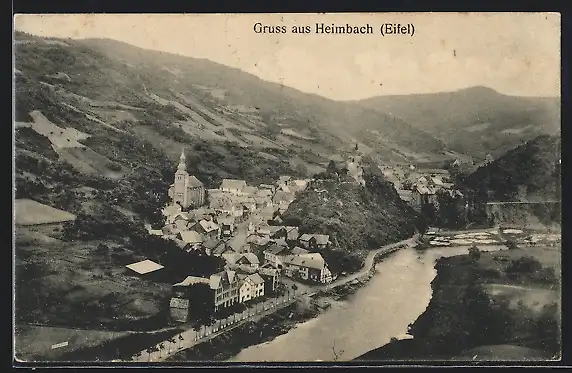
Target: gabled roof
x=193, y=182
x=233, y=184
x=144, y=266
x=276, y=249
x=171, y=209
x=231, y=258
x=191, y=237
x=208, y=225
x=221, y=248
x=249, y=190
x=282, y=196
x=191, y=280
x=305, y=237
x=298, y=250
x=313, y=260
x=322, y=239
x=222, y=278
x=284, y=179
x=251, y=257
x=255, y=279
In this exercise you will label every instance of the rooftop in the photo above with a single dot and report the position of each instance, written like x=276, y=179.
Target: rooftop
x=191, y=280
x=233, y=184
x=144, y=267
x=194, y=182
x=313, y=260
x=191, y=237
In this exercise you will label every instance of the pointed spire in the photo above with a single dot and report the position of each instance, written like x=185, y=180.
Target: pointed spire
x=182, y=162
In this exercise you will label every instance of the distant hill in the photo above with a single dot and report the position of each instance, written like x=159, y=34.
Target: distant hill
x=528, y=172
x=474, y=121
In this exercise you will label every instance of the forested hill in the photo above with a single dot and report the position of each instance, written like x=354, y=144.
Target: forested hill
x=357, y=217
x=530, y=172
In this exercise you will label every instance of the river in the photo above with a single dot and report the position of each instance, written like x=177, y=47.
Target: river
x=398, y=293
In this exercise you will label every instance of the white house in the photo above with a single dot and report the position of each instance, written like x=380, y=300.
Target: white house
x=233, y=186
x=252, y=287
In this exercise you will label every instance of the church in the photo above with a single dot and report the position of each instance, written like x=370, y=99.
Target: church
x=187, y=190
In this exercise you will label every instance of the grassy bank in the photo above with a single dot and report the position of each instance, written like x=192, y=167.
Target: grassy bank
x=120, y=348
x=487, y=306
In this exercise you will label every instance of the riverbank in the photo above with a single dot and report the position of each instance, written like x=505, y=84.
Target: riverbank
x=486, y=306
x=228, y=344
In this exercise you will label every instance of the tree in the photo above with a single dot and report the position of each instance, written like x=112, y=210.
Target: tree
x=149, y=351
x=161, y=348
x=474, y=253
x=171, y=341
x=180, y=339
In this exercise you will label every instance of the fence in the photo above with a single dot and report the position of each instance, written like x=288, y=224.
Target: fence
x=206, y=332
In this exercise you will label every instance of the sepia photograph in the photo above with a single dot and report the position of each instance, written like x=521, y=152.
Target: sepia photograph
x=253, y=188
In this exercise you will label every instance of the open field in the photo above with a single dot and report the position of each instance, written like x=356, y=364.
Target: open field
x=34, y=343
x=29, y=212
x=82, y=284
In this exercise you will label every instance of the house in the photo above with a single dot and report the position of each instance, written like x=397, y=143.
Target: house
x=270, y=273
x=282, y=197
x=406, y=195
x=264, y=230
x=304, y=240
x=248, y=261
x=310, y=267
x=291, y=233
x=226, y=226
x=179, y=216
x=249, y=190
x=156, y=232
x=278, y=232
x=251, y=287
x=274, y=252
x=180, y=289
x=282, y=180
x=207, y=228
x=424, y=195
x=145, y=268
x=319, y=241
x=268, y=187
x=179, y=309
x=299, y=251
x=186, y=190
x=233, y=186
x=192, y=239
x=225, y=287
x=210, y=245
x=181, y=225
x=171, y=210
x=221, y=248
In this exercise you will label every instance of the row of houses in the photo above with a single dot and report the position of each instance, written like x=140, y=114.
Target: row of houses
x=225, y=288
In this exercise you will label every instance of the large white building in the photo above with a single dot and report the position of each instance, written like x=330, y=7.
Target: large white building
x=186, y=190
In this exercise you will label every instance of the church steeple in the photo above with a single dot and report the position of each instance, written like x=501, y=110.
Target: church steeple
x=182, y=162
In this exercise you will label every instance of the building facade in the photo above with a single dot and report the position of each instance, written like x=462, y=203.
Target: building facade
x=186, y=190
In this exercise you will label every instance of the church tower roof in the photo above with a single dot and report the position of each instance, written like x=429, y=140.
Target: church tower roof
x=182, y=162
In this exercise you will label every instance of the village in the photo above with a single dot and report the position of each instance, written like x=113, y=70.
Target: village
x=242, y=225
